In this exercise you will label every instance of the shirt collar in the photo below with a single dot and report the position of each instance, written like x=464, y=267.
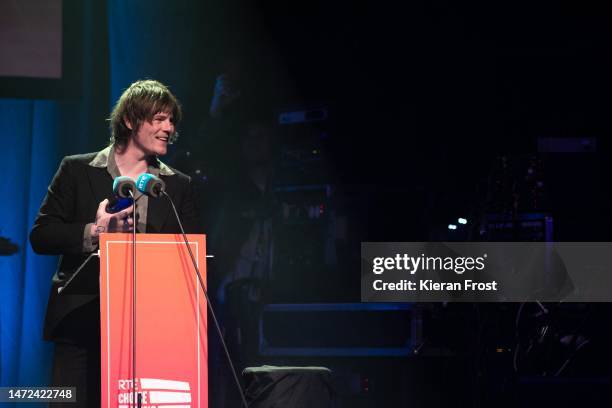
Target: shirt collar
x=106, y=158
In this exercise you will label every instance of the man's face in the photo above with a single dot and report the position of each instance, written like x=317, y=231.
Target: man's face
x=152, y=137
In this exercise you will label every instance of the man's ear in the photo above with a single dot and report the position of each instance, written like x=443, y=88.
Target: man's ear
x=127, y=123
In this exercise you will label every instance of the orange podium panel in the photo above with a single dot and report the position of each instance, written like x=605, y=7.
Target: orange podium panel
x=171, y=343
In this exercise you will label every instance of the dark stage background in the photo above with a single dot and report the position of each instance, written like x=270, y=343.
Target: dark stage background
x=376, y=121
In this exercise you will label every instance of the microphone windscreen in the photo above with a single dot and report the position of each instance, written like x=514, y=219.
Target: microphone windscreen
x=123, y=185
x=150, y=184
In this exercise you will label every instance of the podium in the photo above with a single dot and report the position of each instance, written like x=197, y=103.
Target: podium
x=171, y=325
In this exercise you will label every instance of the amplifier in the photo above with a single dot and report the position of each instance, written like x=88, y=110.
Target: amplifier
x=522, y=227
x=339, y=329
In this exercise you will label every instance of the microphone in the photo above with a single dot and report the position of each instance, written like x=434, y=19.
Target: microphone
x=150, y=185
x=123, y=193
x=148, y=182
x=123, y=186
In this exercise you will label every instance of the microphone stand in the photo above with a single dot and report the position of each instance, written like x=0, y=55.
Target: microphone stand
x=210, y=307
x=136, y=397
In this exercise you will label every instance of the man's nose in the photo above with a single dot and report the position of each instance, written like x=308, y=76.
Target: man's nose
x=168, y=126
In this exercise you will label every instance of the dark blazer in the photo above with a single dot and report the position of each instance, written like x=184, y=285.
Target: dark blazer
x=71, y=202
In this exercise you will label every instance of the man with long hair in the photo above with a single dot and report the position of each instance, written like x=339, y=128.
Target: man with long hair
x=73, y=214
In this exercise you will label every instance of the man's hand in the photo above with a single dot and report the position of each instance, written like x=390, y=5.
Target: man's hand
x=123, y=221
